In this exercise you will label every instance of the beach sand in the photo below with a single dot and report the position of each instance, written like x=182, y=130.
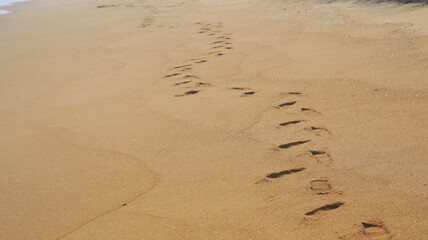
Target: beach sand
x=206, y=119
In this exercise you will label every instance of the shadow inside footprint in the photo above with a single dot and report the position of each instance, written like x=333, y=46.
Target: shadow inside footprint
x=187, y=65
x=374, y=228
x=326, y=207
x=181, y=83
x=287, y=104
x=291, y=122
x=172, y=75
x=308, y=110
x=107, y=6
x=321, y=156
x=288, y=145
x=318, y=128
x=286, y=172
x=314, y=152
x=199, y=84
x=192, y=92
x=319, y=131
x=246, y=94
x=189, y=76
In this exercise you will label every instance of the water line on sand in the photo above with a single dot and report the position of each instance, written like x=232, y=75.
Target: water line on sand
x=4, y=3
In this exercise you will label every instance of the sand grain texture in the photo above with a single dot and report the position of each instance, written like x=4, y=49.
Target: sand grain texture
x=213, y=120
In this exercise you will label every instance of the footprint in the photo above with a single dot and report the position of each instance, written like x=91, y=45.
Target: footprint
x=308, y=110
x=287, y=104
x=294, y=93
x=246, y=94
x=192, y=92
x=186, y=69
x=238, y=88
x=291, y=122
x=148, y=21
x=189, y=76
x=286, y=172
x=326, y=207
x=217, y=42
x=217, y=47
x=202, y=61
x=172, y=75
x=319, y=128
x=321, y=156
x=182, y=66
x=321, y=187
x=180, y=83
x=199, y=84
x=219, y=54
x=314, y=153
x=107, y=6
x=229, y=47
x=285, y=146
x=374, y=228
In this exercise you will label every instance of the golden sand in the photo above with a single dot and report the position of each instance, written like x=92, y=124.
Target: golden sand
x=206, y=119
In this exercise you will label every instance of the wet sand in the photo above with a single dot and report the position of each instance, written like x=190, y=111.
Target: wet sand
x=213, y=120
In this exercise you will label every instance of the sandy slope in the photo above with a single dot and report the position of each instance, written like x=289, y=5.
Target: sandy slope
x=213, y=120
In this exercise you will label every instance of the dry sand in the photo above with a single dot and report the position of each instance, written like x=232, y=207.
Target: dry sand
x=203, y=119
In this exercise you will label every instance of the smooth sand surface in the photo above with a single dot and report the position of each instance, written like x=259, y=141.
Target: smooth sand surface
x=203, y=119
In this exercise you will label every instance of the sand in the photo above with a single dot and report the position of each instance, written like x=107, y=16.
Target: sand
x=203, y=119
